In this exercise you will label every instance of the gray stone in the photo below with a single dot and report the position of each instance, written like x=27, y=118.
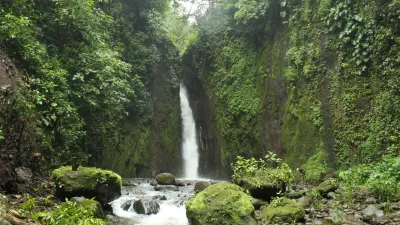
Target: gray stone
x=331, y=195
x=305, y=201
x=23, y=174
x=295, y=194
x=327, y=186
x=257, y=203
x=152, y=208
x=159, y=197
x=139, y=208
x=200, y=186
x=4, y=222
x=179, y=183
x=370, y=200
x=166, y=188
x=371, y=212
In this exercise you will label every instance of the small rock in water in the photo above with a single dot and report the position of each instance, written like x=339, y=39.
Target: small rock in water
x=166, y=188
x=179, y=183
x=200, y=186
x=127, y=205
x=159, y=197
x=139, y=208
x=152, y=208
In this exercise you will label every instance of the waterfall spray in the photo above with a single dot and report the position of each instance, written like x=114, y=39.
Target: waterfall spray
x=189, y=144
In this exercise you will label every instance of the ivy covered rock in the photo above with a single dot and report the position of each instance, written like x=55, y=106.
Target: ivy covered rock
x=165, y=179
x=89, y=182
x=282, y=211
x=264, y=185
x=327, y=186
x=221, y=203
x=90, y=203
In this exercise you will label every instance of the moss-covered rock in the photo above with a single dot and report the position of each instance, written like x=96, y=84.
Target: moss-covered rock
x=223, y=204
x=262, y=185
x=89, y=182
x=200, y=186
x=286, y=211
x=165, y=179
x=90, y=203
x=327, y=186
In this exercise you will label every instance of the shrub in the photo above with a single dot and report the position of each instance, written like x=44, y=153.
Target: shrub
x=381, y=178
x=252, y=167
x=69, y=213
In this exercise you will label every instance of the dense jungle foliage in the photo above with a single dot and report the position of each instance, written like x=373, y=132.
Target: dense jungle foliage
x=88, y=69
x=315, y=81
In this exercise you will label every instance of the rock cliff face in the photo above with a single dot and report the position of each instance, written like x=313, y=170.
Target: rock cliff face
x=151, y=146
x=301, y=83
x=203, y=108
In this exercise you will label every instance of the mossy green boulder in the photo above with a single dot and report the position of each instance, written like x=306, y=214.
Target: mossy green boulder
x=284, y=211
x=89, y=182
x=165, y=179
x=222, y=204
x=328, y=186
x=92, y=204
x=262, y=185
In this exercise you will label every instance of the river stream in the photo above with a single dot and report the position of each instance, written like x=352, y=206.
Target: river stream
x=172, y=210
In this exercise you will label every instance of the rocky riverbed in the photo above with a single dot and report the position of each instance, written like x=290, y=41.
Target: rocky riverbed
x=143, y=201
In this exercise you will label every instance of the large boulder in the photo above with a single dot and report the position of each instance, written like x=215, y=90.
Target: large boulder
x=261, y=185
x=89, y=182
x=90, y=203
x=221, y=203
x=165, y=179
x=200, y=186
x=327, y=186
x=284, y=211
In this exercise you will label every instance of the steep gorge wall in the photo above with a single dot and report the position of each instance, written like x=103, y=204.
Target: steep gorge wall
x=318, y=84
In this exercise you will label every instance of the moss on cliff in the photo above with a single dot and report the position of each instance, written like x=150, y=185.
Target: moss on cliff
x=314, y=80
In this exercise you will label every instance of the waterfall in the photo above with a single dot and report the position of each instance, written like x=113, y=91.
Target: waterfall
x=189, y=144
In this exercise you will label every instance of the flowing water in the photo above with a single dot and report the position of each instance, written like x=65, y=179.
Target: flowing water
x=189, y=144
x=172, y=210
x=170, y=200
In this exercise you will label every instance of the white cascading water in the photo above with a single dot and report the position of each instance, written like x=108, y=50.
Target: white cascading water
x=189, y=144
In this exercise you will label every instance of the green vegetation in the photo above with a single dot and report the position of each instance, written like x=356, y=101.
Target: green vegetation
x=316, y=166
x=87, y=82
x=260, y=173
x=315, y=83
x=381, y=178
x=69, y=213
